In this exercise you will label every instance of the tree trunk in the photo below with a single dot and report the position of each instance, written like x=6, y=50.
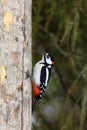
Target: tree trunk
x=15, y=60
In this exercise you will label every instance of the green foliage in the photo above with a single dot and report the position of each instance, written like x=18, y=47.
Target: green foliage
x=60, y=28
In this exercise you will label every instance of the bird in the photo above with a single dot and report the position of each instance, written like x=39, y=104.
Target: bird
x=40, y=77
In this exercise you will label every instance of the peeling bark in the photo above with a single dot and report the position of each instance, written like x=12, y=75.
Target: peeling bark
x=15, y=60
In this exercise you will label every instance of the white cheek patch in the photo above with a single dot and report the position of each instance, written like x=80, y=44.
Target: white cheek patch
x=49, y=61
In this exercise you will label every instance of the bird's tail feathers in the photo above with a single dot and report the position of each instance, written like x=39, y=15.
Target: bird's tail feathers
x=34, y=103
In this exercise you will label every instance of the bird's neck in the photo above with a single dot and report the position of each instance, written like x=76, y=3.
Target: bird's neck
x=46, y=64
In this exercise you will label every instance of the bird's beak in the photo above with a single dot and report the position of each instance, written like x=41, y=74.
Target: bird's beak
x=53, y=63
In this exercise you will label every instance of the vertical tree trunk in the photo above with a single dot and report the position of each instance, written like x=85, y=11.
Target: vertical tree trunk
x=15, y=60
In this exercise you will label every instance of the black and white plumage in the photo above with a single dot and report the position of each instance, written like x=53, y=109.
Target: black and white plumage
x=41, y=76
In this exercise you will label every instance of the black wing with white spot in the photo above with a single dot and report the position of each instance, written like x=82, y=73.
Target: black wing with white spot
x=42, y=81
x=43, y=75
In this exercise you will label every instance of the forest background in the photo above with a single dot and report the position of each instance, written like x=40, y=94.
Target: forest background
x=60, y=28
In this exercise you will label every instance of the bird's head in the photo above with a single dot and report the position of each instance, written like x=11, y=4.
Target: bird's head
x=48, y=59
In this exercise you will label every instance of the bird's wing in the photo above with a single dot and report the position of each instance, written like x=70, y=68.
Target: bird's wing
x=43, y=75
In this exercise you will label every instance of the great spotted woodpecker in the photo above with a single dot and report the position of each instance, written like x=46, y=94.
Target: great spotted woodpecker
x=41, y=76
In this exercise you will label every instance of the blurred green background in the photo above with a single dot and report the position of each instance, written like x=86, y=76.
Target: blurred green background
x=60, y=28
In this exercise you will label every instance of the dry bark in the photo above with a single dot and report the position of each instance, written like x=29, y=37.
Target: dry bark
x=15, y=60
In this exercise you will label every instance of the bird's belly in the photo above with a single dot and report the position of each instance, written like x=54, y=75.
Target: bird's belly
x=36, y=77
